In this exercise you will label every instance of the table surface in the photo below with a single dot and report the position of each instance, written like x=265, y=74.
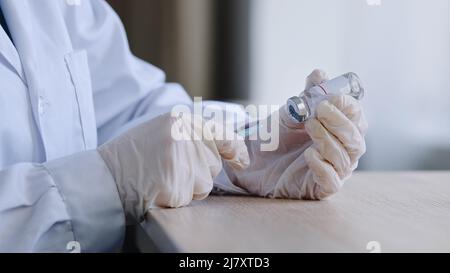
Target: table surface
x=397, y=212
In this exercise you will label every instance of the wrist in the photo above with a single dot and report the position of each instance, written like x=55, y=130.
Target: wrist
x=115, y=170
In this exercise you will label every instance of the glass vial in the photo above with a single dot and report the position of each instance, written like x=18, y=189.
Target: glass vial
x=303, y=107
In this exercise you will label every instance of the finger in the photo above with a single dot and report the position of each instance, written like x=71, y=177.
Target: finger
x=201, y=196
x=352, y=109
x=202, y=189
x=174, y=194
x=234, y=152
x=337, y=123
x=204, y=167
x=231, y=146
x=329, y=147
x=205, y=163
x=324, y=174
x=316, y=77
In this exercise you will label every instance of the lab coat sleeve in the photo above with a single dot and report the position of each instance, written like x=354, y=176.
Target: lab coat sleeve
x=65, y=205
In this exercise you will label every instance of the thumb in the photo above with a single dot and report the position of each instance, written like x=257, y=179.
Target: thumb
x=316, y=77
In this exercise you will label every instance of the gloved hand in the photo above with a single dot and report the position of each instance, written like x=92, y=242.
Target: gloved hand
x=153, y=169
x=312, y=160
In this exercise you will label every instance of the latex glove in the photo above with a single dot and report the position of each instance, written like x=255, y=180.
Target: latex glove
x=152, y=169
x=311, y=162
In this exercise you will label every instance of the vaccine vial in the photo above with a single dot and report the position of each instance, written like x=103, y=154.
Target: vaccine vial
x=303, y=107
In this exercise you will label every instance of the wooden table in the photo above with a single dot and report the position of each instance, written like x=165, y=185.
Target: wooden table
x=397, y=212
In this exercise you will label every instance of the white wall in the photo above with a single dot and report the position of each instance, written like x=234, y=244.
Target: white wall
x=401, y=51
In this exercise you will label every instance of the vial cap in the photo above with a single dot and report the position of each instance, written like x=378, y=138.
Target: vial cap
x=297, y=109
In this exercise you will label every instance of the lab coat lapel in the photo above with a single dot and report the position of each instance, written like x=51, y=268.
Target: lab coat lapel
x=39, y=34
x=9, y=53
x=18, y=15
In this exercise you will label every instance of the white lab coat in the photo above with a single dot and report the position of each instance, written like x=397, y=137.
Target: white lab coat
x=67, y=84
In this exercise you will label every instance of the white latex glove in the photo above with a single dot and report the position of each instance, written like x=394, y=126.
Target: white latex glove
x=152, y=169
x=311, y=162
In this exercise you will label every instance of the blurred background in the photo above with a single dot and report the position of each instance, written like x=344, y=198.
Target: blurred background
x=260, y=51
